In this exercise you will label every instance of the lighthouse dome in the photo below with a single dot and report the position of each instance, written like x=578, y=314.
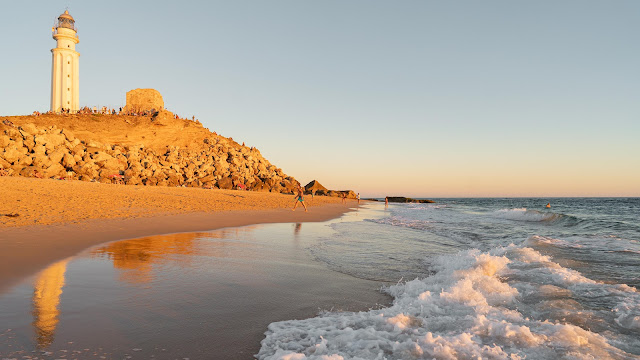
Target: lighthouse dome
x=66, y=15
x=66, y=21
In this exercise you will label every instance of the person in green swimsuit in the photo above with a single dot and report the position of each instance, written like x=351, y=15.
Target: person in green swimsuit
x=299, y=199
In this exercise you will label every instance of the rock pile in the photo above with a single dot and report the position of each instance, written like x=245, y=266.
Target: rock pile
x=314, y=187
x=402, y=199
x=217, y=162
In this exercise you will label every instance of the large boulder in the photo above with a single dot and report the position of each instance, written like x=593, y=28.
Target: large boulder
x=29, y=129
x=4, y=141
x=54, y=170
x=225, y=183
x=50, y=141
x=11, y=154
x=68, y=161
x=144, y=99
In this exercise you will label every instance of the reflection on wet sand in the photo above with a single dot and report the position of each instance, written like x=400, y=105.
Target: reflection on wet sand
x=210, y=295
x=46, y=299
x=136, y=258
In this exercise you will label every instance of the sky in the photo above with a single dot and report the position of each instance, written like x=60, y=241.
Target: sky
x=412, y=98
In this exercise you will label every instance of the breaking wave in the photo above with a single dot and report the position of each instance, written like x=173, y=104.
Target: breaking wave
x=523, y=214
x=508, y=303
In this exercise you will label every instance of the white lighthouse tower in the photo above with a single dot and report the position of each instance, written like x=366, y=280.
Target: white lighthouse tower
x=65, y=81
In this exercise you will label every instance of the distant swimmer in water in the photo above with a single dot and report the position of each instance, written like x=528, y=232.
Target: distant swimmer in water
x=548, y=205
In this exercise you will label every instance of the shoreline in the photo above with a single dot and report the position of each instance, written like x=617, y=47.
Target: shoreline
x=67, y=223
x=235, y=281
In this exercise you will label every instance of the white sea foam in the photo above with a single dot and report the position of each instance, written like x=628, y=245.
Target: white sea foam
x=404, y=222
x=509, y=303
x=428, y=206
x=628, y=314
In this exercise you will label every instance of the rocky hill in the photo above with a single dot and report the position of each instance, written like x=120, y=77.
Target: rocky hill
x=157, y=149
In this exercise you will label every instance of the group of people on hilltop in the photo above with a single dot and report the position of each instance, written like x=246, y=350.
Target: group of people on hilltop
x=84, y=110
x=109, y=111
x=177, y=117
x=151, y=112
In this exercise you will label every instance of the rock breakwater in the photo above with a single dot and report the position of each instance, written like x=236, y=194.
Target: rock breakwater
x=210, y=161
x=402, y=199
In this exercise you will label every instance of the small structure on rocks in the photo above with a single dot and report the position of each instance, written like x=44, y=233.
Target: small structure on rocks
x=143, y=99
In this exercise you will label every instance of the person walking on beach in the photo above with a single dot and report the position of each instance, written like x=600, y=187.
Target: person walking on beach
x=358, y=197
x=300, y=199
x=344, y=198
x=386, y=202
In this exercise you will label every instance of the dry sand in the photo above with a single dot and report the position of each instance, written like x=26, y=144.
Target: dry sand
x=57, y=219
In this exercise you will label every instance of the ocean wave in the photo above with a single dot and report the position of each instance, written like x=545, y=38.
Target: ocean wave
x=608, y=244
x=522, y=214
x=404, y=222
x=537, y=240
x=427, y=206
x=508, y=303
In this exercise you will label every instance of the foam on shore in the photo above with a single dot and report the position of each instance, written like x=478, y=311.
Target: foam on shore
x=508, y=303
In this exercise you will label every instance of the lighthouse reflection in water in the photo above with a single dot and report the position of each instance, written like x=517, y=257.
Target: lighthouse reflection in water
x=46, y=302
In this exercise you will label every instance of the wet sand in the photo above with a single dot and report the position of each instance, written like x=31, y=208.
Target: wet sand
x=207, y=295
x=58, y=219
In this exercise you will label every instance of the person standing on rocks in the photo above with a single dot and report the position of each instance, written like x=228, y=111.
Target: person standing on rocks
x=300, y=199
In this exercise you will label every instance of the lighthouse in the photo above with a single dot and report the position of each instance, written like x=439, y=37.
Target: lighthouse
x=65, y=81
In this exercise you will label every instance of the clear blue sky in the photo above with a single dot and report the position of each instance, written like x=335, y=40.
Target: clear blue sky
x=419, y=98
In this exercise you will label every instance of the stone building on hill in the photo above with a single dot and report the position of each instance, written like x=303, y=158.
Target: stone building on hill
x=143, y=100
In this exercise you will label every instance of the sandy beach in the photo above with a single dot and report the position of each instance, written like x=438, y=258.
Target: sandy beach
x=57, y=219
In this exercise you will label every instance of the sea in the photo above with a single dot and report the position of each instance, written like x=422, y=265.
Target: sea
x=495, y=278
x=481, y=279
